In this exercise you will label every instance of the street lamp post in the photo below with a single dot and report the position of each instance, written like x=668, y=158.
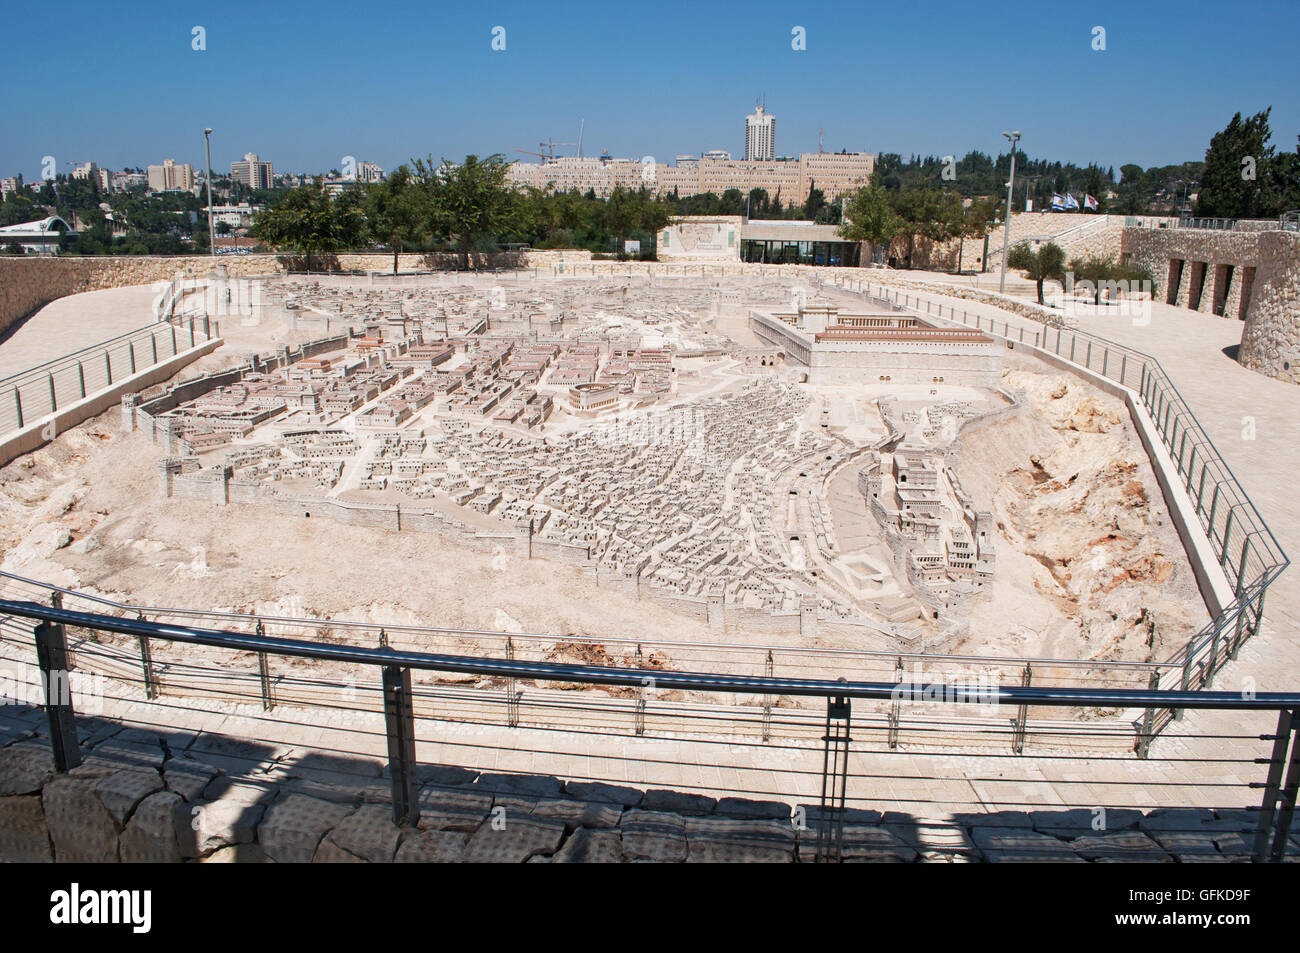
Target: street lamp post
x=1013, y=138
x=207, y=147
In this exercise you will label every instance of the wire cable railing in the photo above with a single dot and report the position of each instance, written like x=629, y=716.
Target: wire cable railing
x=409, y=702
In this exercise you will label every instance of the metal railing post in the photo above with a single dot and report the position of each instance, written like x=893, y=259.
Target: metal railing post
x=52, y=658
x=54, y=404
x=18, y=406
x=769, y=668
x=896, y=706
x=1186, y=682
x=1241, y=606
x=399, y=723
x=1147, y=730
x=835, y=776
x=512, y=699
x=56, y=600
x=264, y=673
x=1271, y=819
x=1022, y=714
x=81, y=378
x=146, y=661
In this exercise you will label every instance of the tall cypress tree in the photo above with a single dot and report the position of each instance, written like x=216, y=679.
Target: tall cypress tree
x=1237, y=177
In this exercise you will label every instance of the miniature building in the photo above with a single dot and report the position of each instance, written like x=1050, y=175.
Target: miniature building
x=848, y=347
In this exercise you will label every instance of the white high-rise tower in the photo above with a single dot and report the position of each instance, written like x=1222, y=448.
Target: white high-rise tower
x=760, y=135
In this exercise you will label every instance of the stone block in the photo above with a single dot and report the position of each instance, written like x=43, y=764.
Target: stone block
x=1017, y=845
x=678, y=802
x=451, y=809
x=81, y=828
x=1190, y=847
x=122, y=791
x=866, y=843
x=238, y=854
x=369, y=833
x=600, y=791
x=445, y=774
x=587, y=846
x=520, y=839
x=188, y=778
x=1130, y=846
x=24, y=838
x=205, y=827
x=743, y=807
x=653, y=836
x=295, y=825
x=1079, y=821
x=331, y=853
x=731, y=840
x=534, y=785
x=432, y=847
x=576, y=814
x=150, y=835
x=24, y=770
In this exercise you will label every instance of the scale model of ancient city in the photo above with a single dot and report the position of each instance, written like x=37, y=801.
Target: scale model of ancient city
x=842, y=537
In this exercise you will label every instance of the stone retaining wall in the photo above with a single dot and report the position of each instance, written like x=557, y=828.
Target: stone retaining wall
x=179, y=796
x=27, y=283
x=1254, y=276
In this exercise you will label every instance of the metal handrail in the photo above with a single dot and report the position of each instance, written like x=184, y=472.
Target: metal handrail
x=67, y=360
x=661, y=678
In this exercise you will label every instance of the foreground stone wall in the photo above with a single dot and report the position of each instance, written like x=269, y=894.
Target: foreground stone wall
x=27, y=283
x=1270, y=342
x=1204, y=270
x=1254, y=276
x=178, y=796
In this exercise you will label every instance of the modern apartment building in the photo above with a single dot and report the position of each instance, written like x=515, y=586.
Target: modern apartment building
x=836, y=174
x=170, y=177
x=760, y=135
x=252, y=172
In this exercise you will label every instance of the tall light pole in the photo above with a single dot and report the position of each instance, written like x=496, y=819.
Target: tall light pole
x=207, y=147
x=1013, y=138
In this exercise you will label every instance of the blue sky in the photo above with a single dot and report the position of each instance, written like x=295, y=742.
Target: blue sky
x=305, y=84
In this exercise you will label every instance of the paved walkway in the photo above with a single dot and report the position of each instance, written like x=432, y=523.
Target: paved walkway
x=71, y=323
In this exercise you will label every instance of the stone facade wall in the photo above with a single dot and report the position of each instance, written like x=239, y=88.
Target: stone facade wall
x=1207, y=271
x=27, y=283
x=1251, y=275
x=1270, y=342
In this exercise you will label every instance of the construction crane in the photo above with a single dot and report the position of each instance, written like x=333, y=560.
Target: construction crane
x=550, y=144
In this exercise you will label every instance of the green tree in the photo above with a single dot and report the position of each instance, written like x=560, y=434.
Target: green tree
x=310, y=223
x=1237, y=181
x=869, y=217
x=467, y=200
x=622, y=214
x=1040, y=264
x=392, y=211
x=1096, y=270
